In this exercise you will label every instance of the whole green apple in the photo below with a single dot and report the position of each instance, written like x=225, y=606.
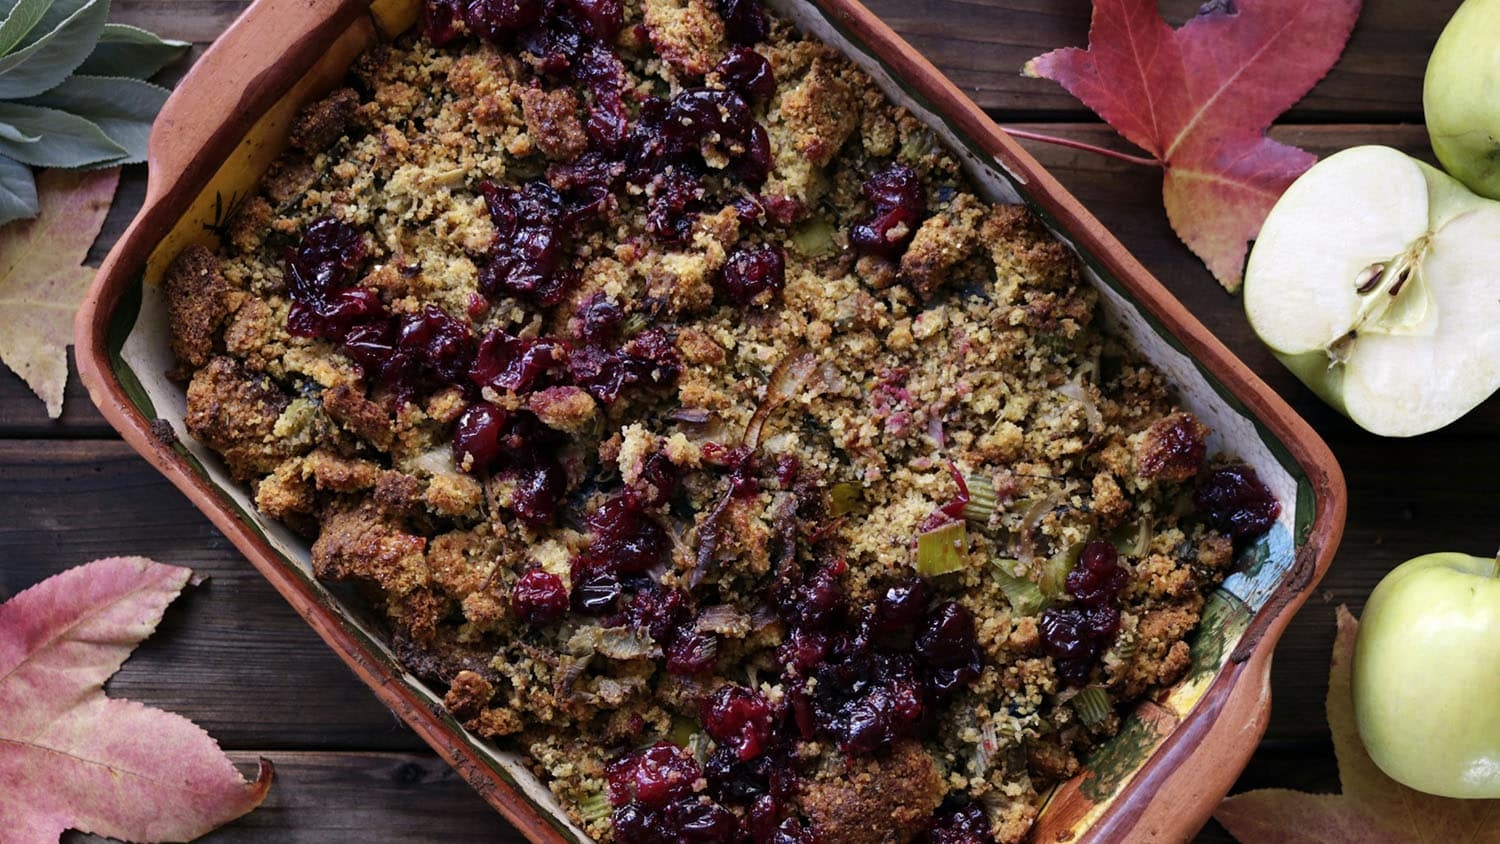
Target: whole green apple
x=1427, y=675
x=1373, y=279
x=1461, y=96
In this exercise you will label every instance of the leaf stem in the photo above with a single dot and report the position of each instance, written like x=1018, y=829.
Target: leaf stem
x=1068, y=142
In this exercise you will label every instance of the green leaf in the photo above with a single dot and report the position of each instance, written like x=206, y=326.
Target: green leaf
x=17, y=191
x=70, y=140
x=131, y=51
x=122, y=108
x=11, y=133
x=20, y=19
x=44, y=62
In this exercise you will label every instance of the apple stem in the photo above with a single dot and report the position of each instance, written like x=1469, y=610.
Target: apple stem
x=1072, y=144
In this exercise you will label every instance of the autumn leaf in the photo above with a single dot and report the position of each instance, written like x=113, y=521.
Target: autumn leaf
x=1200, y=98
x=1373, y=808
x=42, y=280
x=70, y=757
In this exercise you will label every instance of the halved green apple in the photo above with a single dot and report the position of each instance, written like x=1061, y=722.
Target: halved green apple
x=1376, y=280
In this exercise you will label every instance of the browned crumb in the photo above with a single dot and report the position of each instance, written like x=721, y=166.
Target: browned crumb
x=322, y=123
x=234, y=412
x=552, y=120
x=198, y=300
x=880, y=799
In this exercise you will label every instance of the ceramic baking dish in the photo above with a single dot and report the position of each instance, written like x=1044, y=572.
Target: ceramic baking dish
x=1177, y=754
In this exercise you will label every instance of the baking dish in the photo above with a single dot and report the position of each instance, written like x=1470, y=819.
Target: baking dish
x=1178, y=753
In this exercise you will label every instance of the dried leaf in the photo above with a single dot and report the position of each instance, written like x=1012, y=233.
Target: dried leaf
x=71, y=757
x=1373, y=808
x=1200, y=98
x=42, y=280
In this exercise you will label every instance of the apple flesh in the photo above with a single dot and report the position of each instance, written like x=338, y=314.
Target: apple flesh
x=1376, y=280
x=1459, y=96
x=1426, y=675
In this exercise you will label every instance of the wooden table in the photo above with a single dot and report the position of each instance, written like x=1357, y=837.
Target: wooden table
x=233, y=657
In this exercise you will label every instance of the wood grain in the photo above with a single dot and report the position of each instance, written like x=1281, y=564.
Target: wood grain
x=231, y=655
x=371, y=798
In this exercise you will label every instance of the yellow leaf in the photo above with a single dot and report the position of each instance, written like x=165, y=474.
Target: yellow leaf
x=43, y=280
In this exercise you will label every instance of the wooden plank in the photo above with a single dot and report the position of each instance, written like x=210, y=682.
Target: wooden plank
x=372, y=798
x=983, y=44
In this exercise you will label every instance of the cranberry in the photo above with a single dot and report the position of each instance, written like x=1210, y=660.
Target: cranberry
x=754, y=275
x=960, y=822
x=815, y=601
x=541, y=482
x=519, y=365
x=802, y=650
x=692, y=652
x=552, y=45
x=318, y=274
x=901, y=606
x=740, y=719
x=1097, y=578
x=528, y=254
x=702, y=822
x=652, y=776
x=744, y=22
x=476, y=437
x=325, y=261
x=648, y=358
x=334, y=315
x=897, y=200
x=495, y=19
x=596, y=587
x=440, y=20
x=603, y=74
x=658, y=481
x=747, y=72
x=1075, y=637
x=601, y=19
x=674, y=133
x=949, y=649
x=587, y=187
x=1236, y=502
x=625, y=537
x=1177, y=448
x=875, y=720
x=598, y=319
x=673, y=201
x=539, y=597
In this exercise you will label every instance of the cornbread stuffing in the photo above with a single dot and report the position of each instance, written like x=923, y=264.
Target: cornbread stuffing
x=696, y=426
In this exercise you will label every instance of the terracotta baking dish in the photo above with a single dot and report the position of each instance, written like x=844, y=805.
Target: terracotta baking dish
x=1159, y=779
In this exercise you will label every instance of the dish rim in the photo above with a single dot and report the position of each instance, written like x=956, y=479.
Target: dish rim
x=237, y=79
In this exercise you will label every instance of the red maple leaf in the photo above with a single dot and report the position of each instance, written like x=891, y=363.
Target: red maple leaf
x=72, y=757
x=1200, y=98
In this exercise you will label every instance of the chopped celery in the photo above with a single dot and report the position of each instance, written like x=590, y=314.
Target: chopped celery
x=844, y=498
x=1024, y=596
x=982, y=499
x=814, y=238
x=634, y=324
x=594, y=807
x=942, y=550
x=1092, y=705
x=682, y=731
x=1132, y=540
x=1055, y=570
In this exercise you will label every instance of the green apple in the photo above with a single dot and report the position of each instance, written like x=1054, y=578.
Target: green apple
x=1376, y=280
x=1459, y=96
x=1427, y=675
